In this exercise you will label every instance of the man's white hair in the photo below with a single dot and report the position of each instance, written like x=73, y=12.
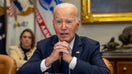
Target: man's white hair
x=67, y=5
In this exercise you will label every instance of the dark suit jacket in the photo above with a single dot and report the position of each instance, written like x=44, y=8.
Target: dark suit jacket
x=89, y=60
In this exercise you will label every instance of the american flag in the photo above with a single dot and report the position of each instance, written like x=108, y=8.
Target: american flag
x=15, y=8
x=44, y=11
x=2, y=35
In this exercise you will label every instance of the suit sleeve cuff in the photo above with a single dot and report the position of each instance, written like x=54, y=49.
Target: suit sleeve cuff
x=73, y=63
x=43, y=66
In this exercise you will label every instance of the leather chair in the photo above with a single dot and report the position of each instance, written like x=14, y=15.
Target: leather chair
x=109, y=65
x=7, y=65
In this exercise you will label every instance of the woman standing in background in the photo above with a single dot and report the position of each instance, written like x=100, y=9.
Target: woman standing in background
x=26, y=48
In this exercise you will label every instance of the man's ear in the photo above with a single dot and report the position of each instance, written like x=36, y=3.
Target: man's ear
x=78, y=23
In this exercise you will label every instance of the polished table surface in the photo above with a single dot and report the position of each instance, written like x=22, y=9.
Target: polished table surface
x=122, y=53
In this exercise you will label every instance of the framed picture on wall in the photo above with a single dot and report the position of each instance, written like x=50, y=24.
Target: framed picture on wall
x=99, y=11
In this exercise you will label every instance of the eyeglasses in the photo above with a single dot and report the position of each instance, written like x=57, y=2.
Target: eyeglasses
x=67, y=21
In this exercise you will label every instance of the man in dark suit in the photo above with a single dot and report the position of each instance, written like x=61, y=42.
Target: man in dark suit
x=80, y=54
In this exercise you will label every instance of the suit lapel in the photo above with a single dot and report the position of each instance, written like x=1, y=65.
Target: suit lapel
x=77, y=48
x=52, y=42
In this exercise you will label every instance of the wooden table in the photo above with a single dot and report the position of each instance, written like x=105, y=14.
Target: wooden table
x=122, y=62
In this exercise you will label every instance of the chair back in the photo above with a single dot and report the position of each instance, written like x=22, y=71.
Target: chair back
x=109, y=65
x=7, y=65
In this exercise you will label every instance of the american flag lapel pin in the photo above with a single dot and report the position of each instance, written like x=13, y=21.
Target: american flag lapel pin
x=77, y=52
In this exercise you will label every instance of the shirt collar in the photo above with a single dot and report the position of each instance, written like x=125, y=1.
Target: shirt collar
x=72, y=43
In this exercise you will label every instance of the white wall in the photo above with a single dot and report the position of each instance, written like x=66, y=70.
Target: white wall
x=102, y=33
x=99, y=32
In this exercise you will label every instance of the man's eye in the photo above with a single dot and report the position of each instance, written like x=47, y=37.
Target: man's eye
x=68, y=22
x=58, y=21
